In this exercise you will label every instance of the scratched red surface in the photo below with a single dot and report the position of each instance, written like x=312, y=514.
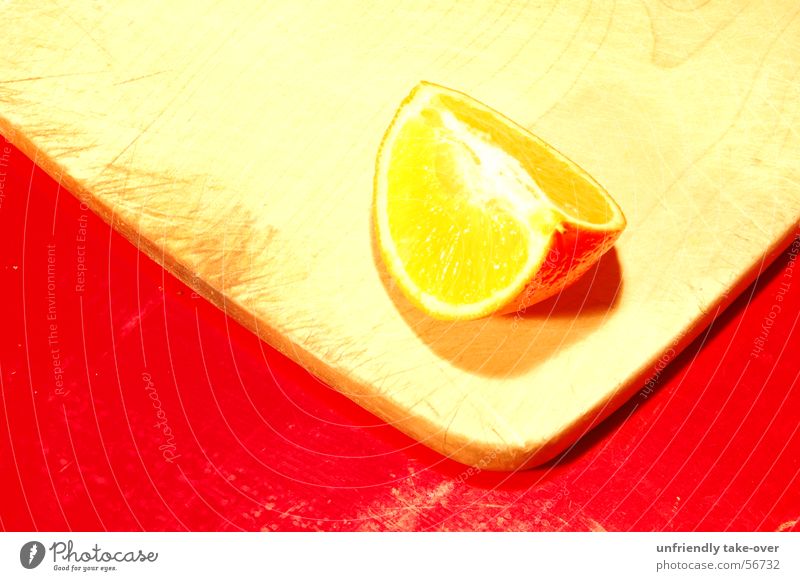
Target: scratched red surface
x=128, y=403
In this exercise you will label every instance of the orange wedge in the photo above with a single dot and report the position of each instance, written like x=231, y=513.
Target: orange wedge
x=475, y=215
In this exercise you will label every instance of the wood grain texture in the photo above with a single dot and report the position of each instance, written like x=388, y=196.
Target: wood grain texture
x=236, y=144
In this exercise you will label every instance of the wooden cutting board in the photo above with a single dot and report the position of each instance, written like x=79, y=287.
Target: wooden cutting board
x=235, y=144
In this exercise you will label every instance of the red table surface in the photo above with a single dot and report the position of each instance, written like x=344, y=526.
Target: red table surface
x=129, y=403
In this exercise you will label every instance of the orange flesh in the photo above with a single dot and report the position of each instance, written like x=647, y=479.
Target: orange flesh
x=472, y=202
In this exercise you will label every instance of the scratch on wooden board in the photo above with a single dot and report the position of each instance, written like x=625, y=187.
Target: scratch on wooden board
x=455, y=413
x=141, y=77
x=46, y=77
x=89, y=35
x=136, y=138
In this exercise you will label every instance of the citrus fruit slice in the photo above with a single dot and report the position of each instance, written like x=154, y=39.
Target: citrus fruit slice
x=475, y=215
